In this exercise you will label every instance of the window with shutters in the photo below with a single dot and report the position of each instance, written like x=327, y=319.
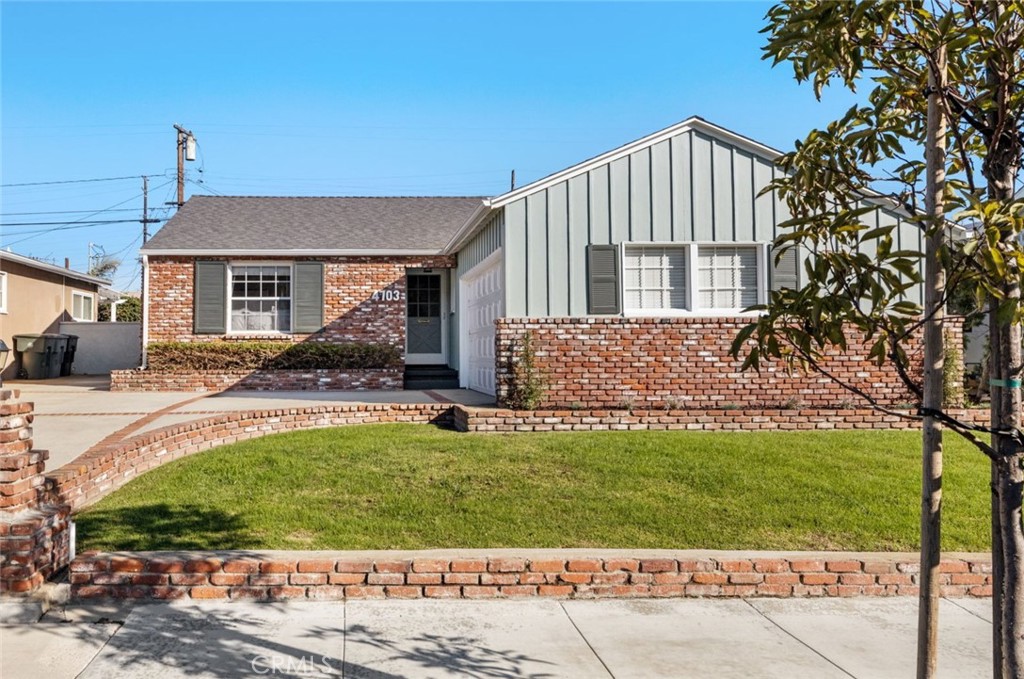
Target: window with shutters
x=727, y=276
x=261, y=299
x=655, y=278
x=692, y=278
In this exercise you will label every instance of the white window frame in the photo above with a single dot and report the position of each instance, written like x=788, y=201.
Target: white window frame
x=3, y=292
x=291, y=298
x=692, y=248
x=92, y=306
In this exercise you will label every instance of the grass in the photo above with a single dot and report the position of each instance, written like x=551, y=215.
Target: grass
x=418, y=487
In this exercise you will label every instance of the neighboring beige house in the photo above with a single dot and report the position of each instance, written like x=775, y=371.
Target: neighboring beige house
x=36, y=296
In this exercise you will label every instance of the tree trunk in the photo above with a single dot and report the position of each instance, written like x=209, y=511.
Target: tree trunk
x=934, y=350
x=1000, y=166
x=995, y=409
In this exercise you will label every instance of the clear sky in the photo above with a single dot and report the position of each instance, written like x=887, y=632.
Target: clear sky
x=348, y=99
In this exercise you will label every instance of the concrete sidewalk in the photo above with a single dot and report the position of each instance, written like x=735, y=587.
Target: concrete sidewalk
x=72, y=414
x=822, y=638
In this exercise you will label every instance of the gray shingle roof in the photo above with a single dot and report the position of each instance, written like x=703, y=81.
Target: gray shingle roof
x=210, y=223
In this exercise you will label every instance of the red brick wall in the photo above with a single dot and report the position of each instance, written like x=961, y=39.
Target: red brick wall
x=475, y=574
x=491, y=420
x=349, y=313
x=679, y=362
x=106, y=467
x=384, y=379
x=34, y=537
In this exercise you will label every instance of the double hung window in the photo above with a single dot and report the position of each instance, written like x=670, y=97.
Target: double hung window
x=261, y=299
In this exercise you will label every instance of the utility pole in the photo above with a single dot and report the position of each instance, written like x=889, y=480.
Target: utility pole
x=186, y=151
x=513, y=184
x=146, y=221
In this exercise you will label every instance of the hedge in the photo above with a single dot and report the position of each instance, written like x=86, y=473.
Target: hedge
x=219, y=356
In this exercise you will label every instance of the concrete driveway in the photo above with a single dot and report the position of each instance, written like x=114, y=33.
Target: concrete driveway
x=75, y=413
x=869, y=638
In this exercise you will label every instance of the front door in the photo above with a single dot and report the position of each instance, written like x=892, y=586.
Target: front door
x=424, y=327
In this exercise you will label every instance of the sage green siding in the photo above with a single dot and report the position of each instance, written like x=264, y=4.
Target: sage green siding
x=690, y=187
x=486, y=241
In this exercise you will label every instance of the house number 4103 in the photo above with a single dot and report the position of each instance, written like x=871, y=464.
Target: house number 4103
x=386, y=296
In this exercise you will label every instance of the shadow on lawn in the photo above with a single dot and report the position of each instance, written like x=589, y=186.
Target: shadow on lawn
x=162, y=527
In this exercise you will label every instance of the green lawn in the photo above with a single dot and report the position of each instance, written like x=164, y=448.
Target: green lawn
x=415, y=486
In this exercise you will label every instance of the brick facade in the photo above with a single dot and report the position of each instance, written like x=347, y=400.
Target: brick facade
x=34, y=533
x=349, y=313
x=680, y=363
x=384, y=379
x=478, y=574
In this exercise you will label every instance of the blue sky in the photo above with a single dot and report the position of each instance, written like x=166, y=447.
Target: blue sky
x=334, y=98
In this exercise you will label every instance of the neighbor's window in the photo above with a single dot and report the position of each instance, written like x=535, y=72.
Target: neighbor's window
x=261, y=299
x=655, y=277
x=3, y=292
x=727, y=276
x=82, y=307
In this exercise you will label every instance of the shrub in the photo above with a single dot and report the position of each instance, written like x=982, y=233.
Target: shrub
x=524, y=383
x=217, y=356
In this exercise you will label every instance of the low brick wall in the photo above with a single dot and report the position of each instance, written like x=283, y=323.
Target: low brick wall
x=480, y=574
x=105, y=468
x=606, y=362
x=385, y=379
x=499, y=420
x=34, y=530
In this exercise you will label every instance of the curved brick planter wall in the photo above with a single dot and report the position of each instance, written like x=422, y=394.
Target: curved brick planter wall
x=107, y=467
x=604, y=362
x=103, y=469
x=385, y=379
x=480, y=574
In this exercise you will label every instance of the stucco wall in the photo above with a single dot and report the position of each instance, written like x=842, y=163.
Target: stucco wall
x=37, y=301
x=103, y=347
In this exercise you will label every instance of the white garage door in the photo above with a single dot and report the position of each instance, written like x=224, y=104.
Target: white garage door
x=481, y=290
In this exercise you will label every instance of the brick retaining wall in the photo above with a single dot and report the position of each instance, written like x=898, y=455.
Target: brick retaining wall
x=498, y=420
x=611, y=362
x=481, y=574
x=105, y=468
x=384, y=379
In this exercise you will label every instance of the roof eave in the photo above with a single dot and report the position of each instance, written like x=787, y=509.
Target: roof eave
x=53, y=268
x=468, y=230
x=289, y=252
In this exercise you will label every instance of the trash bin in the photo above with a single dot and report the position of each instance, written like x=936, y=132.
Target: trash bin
x=41, y=355
x=69, y=355
x=59, y=344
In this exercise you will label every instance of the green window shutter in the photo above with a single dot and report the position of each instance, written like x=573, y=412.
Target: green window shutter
x=308, y=297
x=785, y=271
x=603, y=279
x=210, y=298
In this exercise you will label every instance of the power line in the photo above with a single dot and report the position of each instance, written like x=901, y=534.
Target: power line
x=77, y=223
x=72, y=181
x=73, y=212
x=97, y=221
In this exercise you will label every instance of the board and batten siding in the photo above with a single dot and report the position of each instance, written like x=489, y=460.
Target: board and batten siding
x=690, y=187
x=488, y=239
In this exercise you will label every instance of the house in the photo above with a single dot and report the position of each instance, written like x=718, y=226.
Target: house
x=35, y=297
x=630, y=271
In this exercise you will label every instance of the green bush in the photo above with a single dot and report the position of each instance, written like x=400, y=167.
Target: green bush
x=217, y=356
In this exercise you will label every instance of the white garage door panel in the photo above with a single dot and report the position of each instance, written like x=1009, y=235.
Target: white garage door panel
x=483, y=294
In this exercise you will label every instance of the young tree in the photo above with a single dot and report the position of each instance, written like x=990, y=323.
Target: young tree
x=942, y=75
